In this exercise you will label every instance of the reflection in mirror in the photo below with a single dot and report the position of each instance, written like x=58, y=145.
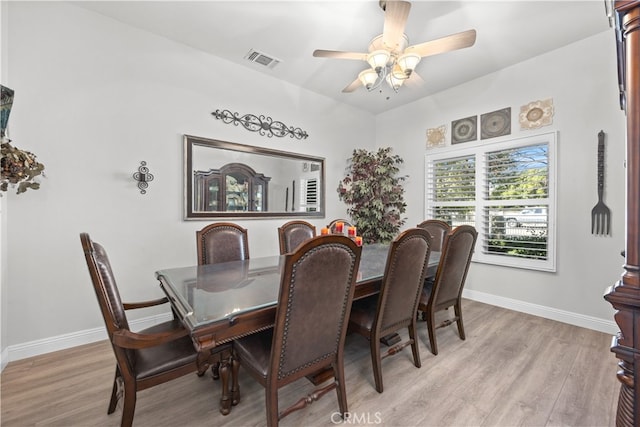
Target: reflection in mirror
x=223, y=179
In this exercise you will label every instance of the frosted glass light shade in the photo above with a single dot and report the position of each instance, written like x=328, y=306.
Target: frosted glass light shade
x=368, y=78
x=408, y=62
x=394, y=81
x=378, y=59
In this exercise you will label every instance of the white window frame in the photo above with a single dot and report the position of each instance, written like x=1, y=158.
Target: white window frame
x=479, y=150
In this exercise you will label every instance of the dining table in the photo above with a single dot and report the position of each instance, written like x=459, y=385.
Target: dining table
x=218, y=303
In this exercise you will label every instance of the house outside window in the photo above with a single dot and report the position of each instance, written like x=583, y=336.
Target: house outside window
x=506, y=190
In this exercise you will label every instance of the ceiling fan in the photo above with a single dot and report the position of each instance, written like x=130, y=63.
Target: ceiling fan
x=390, y=57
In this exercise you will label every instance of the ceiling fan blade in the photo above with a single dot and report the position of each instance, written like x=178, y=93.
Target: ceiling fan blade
x=395, y=19
x=415, y=80
x=444, y=44
x=319, y=53
x=352, y=86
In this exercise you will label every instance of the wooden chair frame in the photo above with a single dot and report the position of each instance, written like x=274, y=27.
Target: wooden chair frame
x=396, y=305
x=273, y=357
x=439, y=231
x=293, y=233
x=446, y=290
x=210, y=230
x=125, y=343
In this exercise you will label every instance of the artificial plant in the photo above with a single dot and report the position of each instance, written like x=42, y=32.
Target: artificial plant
x=373, y=191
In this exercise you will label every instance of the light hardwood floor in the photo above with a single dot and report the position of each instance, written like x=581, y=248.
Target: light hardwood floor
x=513, y=369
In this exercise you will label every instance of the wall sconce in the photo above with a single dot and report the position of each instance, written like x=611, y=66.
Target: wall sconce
x=143, y=177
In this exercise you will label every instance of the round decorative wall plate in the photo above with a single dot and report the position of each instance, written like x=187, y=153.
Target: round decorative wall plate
x=536, y=114
x=464, y=130
x=495, y=123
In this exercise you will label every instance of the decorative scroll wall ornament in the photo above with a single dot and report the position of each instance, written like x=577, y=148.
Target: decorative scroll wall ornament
x=261, y=124
x=536, y=114
x=143, y=177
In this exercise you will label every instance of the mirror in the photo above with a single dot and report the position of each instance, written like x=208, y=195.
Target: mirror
x=228, y=180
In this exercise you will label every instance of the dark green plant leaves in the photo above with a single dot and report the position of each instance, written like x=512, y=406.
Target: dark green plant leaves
x=373, y=191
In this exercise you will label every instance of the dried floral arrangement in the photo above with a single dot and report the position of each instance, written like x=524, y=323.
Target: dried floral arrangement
x=17, y=167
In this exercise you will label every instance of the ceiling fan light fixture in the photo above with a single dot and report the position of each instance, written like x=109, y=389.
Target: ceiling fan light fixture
x=408, y=62
x=378, y=59
x=394, y=82
x=390, y=56
x=368, y=78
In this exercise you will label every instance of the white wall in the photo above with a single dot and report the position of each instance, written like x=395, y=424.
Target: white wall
x=3, y=203
x=93, y=98
x=582, y=80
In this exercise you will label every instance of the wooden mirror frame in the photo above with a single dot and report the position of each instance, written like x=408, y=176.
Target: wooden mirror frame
x=286, y=212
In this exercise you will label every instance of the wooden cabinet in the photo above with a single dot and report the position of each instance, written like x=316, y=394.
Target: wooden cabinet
x=234, y=187
x=624, y=295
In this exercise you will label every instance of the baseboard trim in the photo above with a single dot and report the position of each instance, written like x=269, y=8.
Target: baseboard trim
x=4, y=359
x=63, y=342
x=576, y=319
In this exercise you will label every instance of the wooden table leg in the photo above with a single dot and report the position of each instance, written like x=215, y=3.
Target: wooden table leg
x=235, y=387
x=225, y=399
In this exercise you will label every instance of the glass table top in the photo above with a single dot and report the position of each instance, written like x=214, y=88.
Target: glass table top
x=210, y=293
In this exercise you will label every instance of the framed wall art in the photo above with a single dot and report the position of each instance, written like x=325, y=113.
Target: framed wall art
x=436, y=136
x=464, y=130
x=495, y=123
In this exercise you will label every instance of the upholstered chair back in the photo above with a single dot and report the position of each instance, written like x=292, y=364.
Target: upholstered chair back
x=222, y=242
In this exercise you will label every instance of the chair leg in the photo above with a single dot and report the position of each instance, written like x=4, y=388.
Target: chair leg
x=271, y=400
x=129, y=406
x=431, y=328
x=458, y=312
x=115, y=395
x=414, y=344
x=376, y=362
x=341, y=390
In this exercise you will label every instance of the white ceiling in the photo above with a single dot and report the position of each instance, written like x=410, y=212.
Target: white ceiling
x=508, y=32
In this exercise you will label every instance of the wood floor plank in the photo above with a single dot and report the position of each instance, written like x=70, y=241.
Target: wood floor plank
x=587, y=389
x=513, y=369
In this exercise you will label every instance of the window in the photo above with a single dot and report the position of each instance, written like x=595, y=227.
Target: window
x=506, y=190
x=309, y=194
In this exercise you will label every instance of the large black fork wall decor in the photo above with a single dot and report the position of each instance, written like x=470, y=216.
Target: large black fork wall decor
x=600, y=214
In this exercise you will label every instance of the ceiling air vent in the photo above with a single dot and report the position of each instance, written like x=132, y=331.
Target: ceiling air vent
x=261, y=58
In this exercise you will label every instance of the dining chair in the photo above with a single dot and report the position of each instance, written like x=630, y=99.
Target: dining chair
x=293, y=233
x=315, y=296
x=446, y=289
x=332, y=225
x=438, y=229
x=222, y=242
x=395, y=307
x=144, y=358
x=216, y=243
